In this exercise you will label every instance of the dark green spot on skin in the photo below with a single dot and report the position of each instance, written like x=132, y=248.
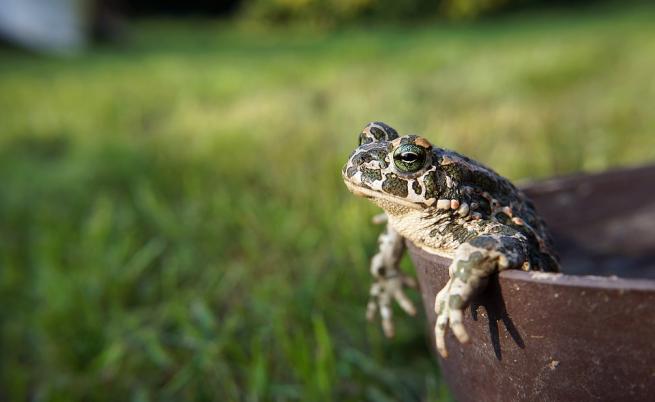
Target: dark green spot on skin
x=455, y=172
x=377, y=133
x=455, y=302
x=465, y=267
x=361, y=158
x=379, y=155
x=416, y=187
x=432, y=183
x=452, y=192
x=371, y=175
x=463, y=270
x=394, y=185
x=458, y=232
x=351, y=171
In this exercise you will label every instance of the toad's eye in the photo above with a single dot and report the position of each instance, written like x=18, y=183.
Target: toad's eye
x=409, y=158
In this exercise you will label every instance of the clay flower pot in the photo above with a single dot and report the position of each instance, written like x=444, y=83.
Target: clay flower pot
x=569, y=336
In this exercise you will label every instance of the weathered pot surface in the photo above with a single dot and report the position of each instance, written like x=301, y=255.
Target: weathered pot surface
x=569, y=336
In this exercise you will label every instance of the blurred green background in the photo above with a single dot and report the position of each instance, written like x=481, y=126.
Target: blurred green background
x=173, y=225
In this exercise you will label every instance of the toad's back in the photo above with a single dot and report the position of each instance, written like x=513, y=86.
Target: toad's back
x=492, y=200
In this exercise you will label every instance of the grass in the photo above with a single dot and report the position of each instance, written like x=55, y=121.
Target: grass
x=173, y=224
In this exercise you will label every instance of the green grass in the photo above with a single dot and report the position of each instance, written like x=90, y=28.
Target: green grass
x=173, y=224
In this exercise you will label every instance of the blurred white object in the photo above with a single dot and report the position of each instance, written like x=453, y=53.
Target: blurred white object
x=53, y=26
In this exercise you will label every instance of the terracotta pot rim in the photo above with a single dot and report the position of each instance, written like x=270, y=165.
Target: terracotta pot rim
x=558, y=279
x=582, y=281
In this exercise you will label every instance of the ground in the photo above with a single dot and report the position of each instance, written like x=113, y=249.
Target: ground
x=173, y=225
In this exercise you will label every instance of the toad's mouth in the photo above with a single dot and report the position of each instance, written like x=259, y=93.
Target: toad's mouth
x=359, y=191
x=372, y=194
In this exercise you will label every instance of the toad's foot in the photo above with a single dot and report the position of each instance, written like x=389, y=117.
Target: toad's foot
x=449, y=306
x=383, y=291
x=474, y=261
x=389, y=282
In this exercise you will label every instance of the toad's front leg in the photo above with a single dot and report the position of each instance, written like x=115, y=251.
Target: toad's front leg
x=389, y=282
x=469, y=272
